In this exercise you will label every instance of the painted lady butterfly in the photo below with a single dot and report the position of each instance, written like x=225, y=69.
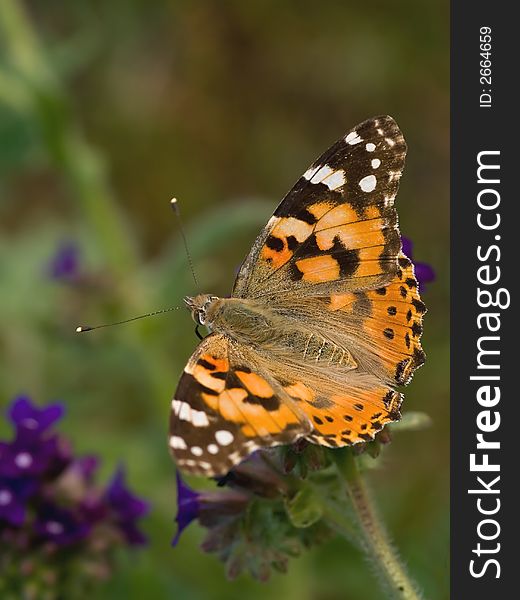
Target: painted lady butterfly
x=324, y=321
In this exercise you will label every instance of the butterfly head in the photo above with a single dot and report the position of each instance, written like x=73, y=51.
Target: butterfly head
x=199, y=306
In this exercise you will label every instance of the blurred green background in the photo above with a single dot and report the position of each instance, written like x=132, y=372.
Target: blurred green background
x=107, y=110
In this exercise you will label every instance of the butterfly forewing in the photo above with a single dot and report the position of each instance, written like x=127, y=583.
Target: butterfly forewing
x=337, y=227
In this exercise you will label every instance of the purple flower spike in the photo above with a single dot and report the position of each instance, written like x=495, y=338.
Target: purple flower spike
x=51, y=503
x=126, y=508
x=29, y=457
x=188, y=507
x=133, y=535
x=122, y=501
x=31, y=419
x=423, y=272
x=60, y=526
x=64, y=265
x=34, y=451
x=14, y=494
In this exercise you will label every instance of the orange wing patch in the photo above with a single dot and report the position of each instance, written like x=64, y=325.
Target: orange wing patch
x=390, y=318
x=319, y=268
x=355, y=235
x=284, y=238
x=208, y=372
x=349, y=418
x=331, y=242
x=395, y=324
x=242, y=397
x=373, y=261
x=255, y=384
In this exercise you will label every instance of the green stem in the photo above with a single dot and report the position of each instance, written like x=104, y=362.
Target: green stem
x=382, y=554
x=337, y=520
x=38, y=94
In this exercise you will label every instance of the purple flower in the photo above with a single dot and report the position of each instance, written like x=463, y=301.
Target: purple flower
x=126, y=508
x=407, y=246
x=77, y=483
x=188, y=507
x=133, y=535
x=28, y=457
x=14, y=494
x=210, y=507
x=35, y=452
x=64, y=265
x=94, y=508
x=86, y=466
x=31, y=419
x=60, y=525
x=423, y=271
x=50, y=502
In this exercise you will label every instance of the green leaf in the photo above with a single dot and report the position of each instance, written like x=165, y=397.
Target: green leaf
x=304, y=508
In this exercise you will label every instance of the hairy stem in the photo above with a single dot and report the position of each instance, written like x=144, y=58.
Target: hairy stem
x=383, y=556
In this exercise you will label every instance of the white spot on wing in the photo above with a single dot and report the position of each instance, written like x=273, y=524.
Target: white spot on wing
x=177, y=443
x=235, y=457
x=353, y=138
x=375, y=163
x=309, y=173
x=368, y=183
x=199, y=418
x=223, y=437
x=197, y=450
x=370, y=147
x=390, y=142
x=335, y=180
x=320, y=175
x=184, y=412
x=326, y=175
x=213, y=449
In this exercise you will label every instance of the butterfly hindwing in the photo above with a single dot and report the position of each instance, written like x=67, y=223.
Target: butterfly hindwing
x=337, y=227
x=225, y=407
x=394, y=325
x=344, y=406
x=382, y=326
x=229, y=408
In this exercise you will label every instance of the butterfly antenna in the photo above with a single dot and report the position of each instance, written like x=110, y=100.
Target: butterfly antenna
x=83, y=328
x=175, y=205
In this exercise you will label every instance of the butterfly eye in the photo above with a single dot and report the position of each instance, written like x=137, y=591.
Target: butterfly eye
x=201, y=317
